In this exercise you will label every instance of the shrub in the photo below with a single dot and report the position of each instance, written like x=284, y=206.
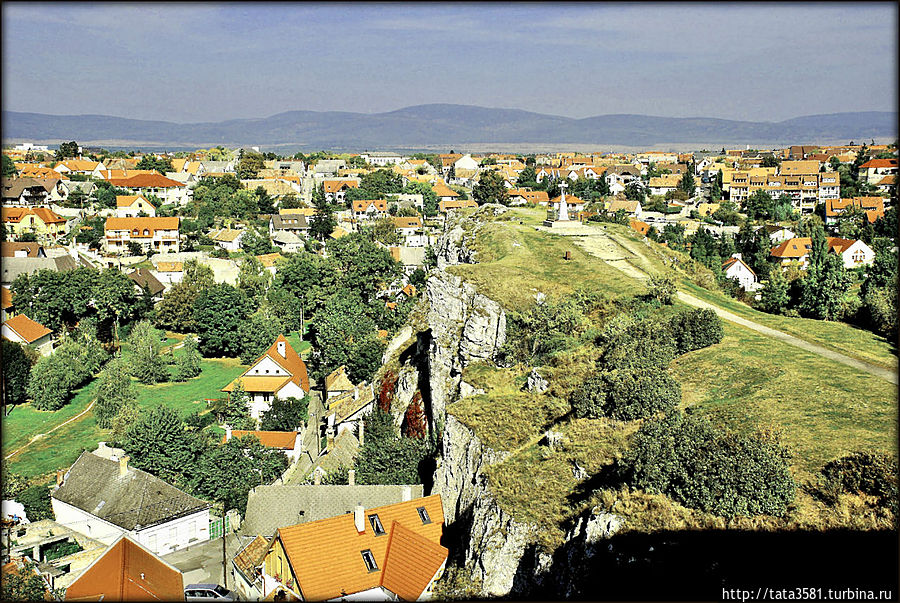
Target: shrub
x=696, y=329
x=643, y=344
x=682, y=456
x=36, y=500
x=627, y=394
x=188, y=365
x=662, y=288
x=866, y=472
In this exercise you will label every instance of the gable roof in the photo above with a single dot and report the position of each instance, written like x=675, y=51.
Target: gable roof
x=154, y=180
x=144, y=278
x=129, y=200
x=350, y=402
x=338, y=380
x=170, y=266
x=29, y=330
x=442, y=190
x=275, y=506
x=322, y=577
x=15, y=215
x=137, y=498
x=13, y=267
x=407, y=222
x=127, y=572
x=283, y=440
x=225, y=235
x=251, y=557
x=362, y=205
x=9, y=249
x=794, y=248
x=880, y=163
x=641, y=227
x=333, y=186
x=732, y=261
x=268, y=260
x=140, y=224
x=570, y=200
x=411, y=562
x=290, y=362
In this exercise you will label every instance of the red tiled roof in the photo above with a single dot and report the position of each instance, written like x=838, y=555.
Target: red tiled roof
x=273, y=439
x=146, y=181
x=27, y=329
x=880, y=163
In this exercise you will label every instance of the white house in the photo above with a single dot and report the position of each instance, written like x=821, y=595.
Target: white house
x=279, y=373
x=736, y=269
x=129, y=206
x=166, y=189
x=853, y=251
x=228, y=239
x=369, y=210
x=465, y=163
x=25, y=331
x=104, y=499
x=382, y=159
x=158, y=234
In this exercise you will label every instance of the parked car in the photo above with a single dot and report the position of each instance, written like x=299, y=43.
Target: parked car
x=208, y=592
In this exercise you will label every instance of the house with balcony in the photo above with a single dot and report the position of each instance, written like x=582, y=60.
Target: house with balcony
x=336, y=190
x=42, y=221
x=369, y=210
x=158, y=234
x=876, y=169
x=166, y=189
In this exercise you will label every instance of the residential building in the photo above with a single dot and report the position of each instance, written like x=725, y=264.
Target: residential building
x=410, y=258
x=735, y=268
x=165, y=189
x=886, y=184
x=369, y=210
x=294, y=223
x=26, y=192
x=660, y=185
x=630, y=207
x=128, y=571
x=380, y=553
x=41, y=221
x=158, y=234
x=14, y=266
x=105, y=499
x=778, y=234
x=25, y=331
x=446, y=206
x=14, y=249
x=799, y=168
x=282, y=505
x=382, y=159
x=65, y=188
x=289, y=442
x=279, y=373
x=346, y=411
x=246, y=573
x=872, y=206
x=130, y=206
x=444, y=193
x=853, y=252
x=411, y=231
x=875, y=169
x=228, y=239
x=573, y=203
x=145, y=280
x=169, y=273
x=337, y=383
x=336, y=190
x=80, y=166
x=521, y=196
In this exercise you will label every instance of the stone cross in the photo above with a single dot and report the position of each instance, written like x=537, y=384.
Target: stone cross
x=563, y=209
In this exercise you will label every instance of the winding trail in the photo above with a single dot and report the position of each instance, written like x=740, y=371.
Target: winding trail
x=45, y=434
x=626, y=259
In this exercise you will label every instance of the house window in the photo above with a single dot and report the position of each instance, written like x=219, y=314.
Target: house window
x=423, y=515
x=369, y=560
x=376, y=525
x=266, y=397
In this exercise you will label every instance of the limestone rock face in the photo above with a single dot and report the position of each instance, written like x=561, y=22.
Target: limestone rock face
x=536, y=383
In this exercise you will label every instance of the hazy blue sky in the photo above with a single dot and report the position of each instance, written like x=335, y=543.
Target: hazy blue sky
x=209, y=62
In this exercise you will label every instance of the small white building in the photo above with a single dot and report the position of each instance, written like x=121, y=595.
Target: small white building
x=25, y=331
x=279, y=373
x=228, y=239
x=129, y=206
x=853, y=252
x=735, y=268
x=105, y=499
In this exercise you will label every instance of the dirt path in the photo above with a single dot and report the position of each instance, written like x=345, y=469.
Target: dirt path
x=624, y=258
x=43, y=435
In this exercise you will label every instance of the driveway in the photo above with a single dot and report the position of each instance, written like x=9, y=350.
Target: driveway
x=202, y=563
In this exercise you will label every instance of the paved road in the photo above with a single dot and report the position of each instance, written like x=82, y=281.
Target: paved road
x=202, y=563
x=623, y=257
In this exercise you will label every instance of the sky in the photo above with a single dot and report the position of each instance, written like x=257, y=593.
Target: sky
x=210, y=62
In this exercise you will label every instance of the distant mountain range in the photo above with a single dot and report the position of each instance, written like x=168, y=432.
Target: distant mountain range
x=445, y=126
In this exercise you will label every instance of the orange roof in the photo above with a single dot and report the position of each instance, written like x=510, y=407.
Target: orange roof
x=272, y=439
x=445, y=205
x=570, y=200
x=343, y=569
x=15, y=214
x=8, y=249
x=259, y=383
x=290, y=362
x=123, y=174
x=641, y=227
x=268, y=259
x=153, y=180
x=333, y=186
x=80, y=165
x=880, y=163
x=410, y=562
x=407, y=222
x=409, y=289
x=873, y=206
x=5, y=298
x=442, y=190
x=128, y=200
x=41, y=173
x=390, y=305
x=730, y=261
x=888, y=180
x=170, y=267
x=27, y=329
x=362, y=205
x=530, y=196
x=793, y=248
x=141, y=224
x=127, y=572
x=299, y=211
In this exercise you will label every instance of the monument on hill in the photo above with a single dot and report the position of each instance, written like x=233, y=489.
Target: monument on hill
x=560, y=217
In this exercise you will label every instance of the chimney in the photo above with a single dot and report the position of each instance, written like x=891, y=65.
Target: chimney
x=356, y=393
x=123, y=465
x=317, y=477
x=227, y=432
x=359, y=518
x=351, y=477
x=329, y=438
x=60, y=477
x=406, y=494
x=281, y=349
x=362, y=429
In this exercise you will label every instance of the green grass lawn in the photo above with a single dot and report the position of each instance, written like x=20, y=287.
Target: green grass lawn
x=838, y=336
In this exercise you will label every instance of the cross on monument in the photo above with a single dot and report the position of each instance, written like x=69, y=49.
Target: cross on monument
x=563, y=206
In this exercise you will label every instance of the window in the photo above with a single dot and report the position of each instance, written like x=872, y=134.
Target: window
x=423, y=515
x=265, y=397
x=376, y=525
x=369, y=560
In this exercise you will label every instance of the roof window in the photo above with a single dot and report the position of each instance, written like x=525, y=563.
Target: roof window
x=369, y=560
x=423, y=515
x=376, y=525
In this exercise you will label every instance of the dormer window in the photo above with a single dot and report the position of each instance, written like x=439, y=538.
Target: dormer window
x=376, y=525
x=369, y=560
x=423, y=515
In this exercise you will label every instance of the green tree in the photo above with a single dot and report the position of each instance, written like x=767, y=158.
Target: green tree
x=265, y=203
x=189, y=363
x=662, y=288
x=310, y=278
x=145, y=362
x=696, y=329
x=824, y=287
x=387, y=458
x=159, y=444
x=627, y=394
x=635, y=192
x=152, y=162
x=249, y=165
x=715, y=471
x=385, y=232
x=16, y=372
x=688, y=184
x=256, y=243
x=114, y=390
x=254, y=279
x=759, y=205
x=284, y=305
x=9, y=168
x=54, y=378
x=429, y=198
x=236, y=413
x=490, y=189
x=343, y=334
x=218, y=313
x=365, y=267
x=527, y=178
x=67, y=150
x=323, y=222
x=257, y=334
x=287, y=414
x=775, y=296
x=24, y=586
x=769, y=161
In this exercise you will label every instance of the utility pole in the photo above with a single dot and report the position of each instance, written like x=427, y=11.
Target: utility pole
x=224, y=556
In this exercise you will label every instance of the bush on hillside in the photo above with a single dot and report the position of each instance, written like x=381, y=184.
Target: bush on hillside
x=626, y=394
x=633, y=344
x=684, y=457
x=696, y=329
x=869, y=473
